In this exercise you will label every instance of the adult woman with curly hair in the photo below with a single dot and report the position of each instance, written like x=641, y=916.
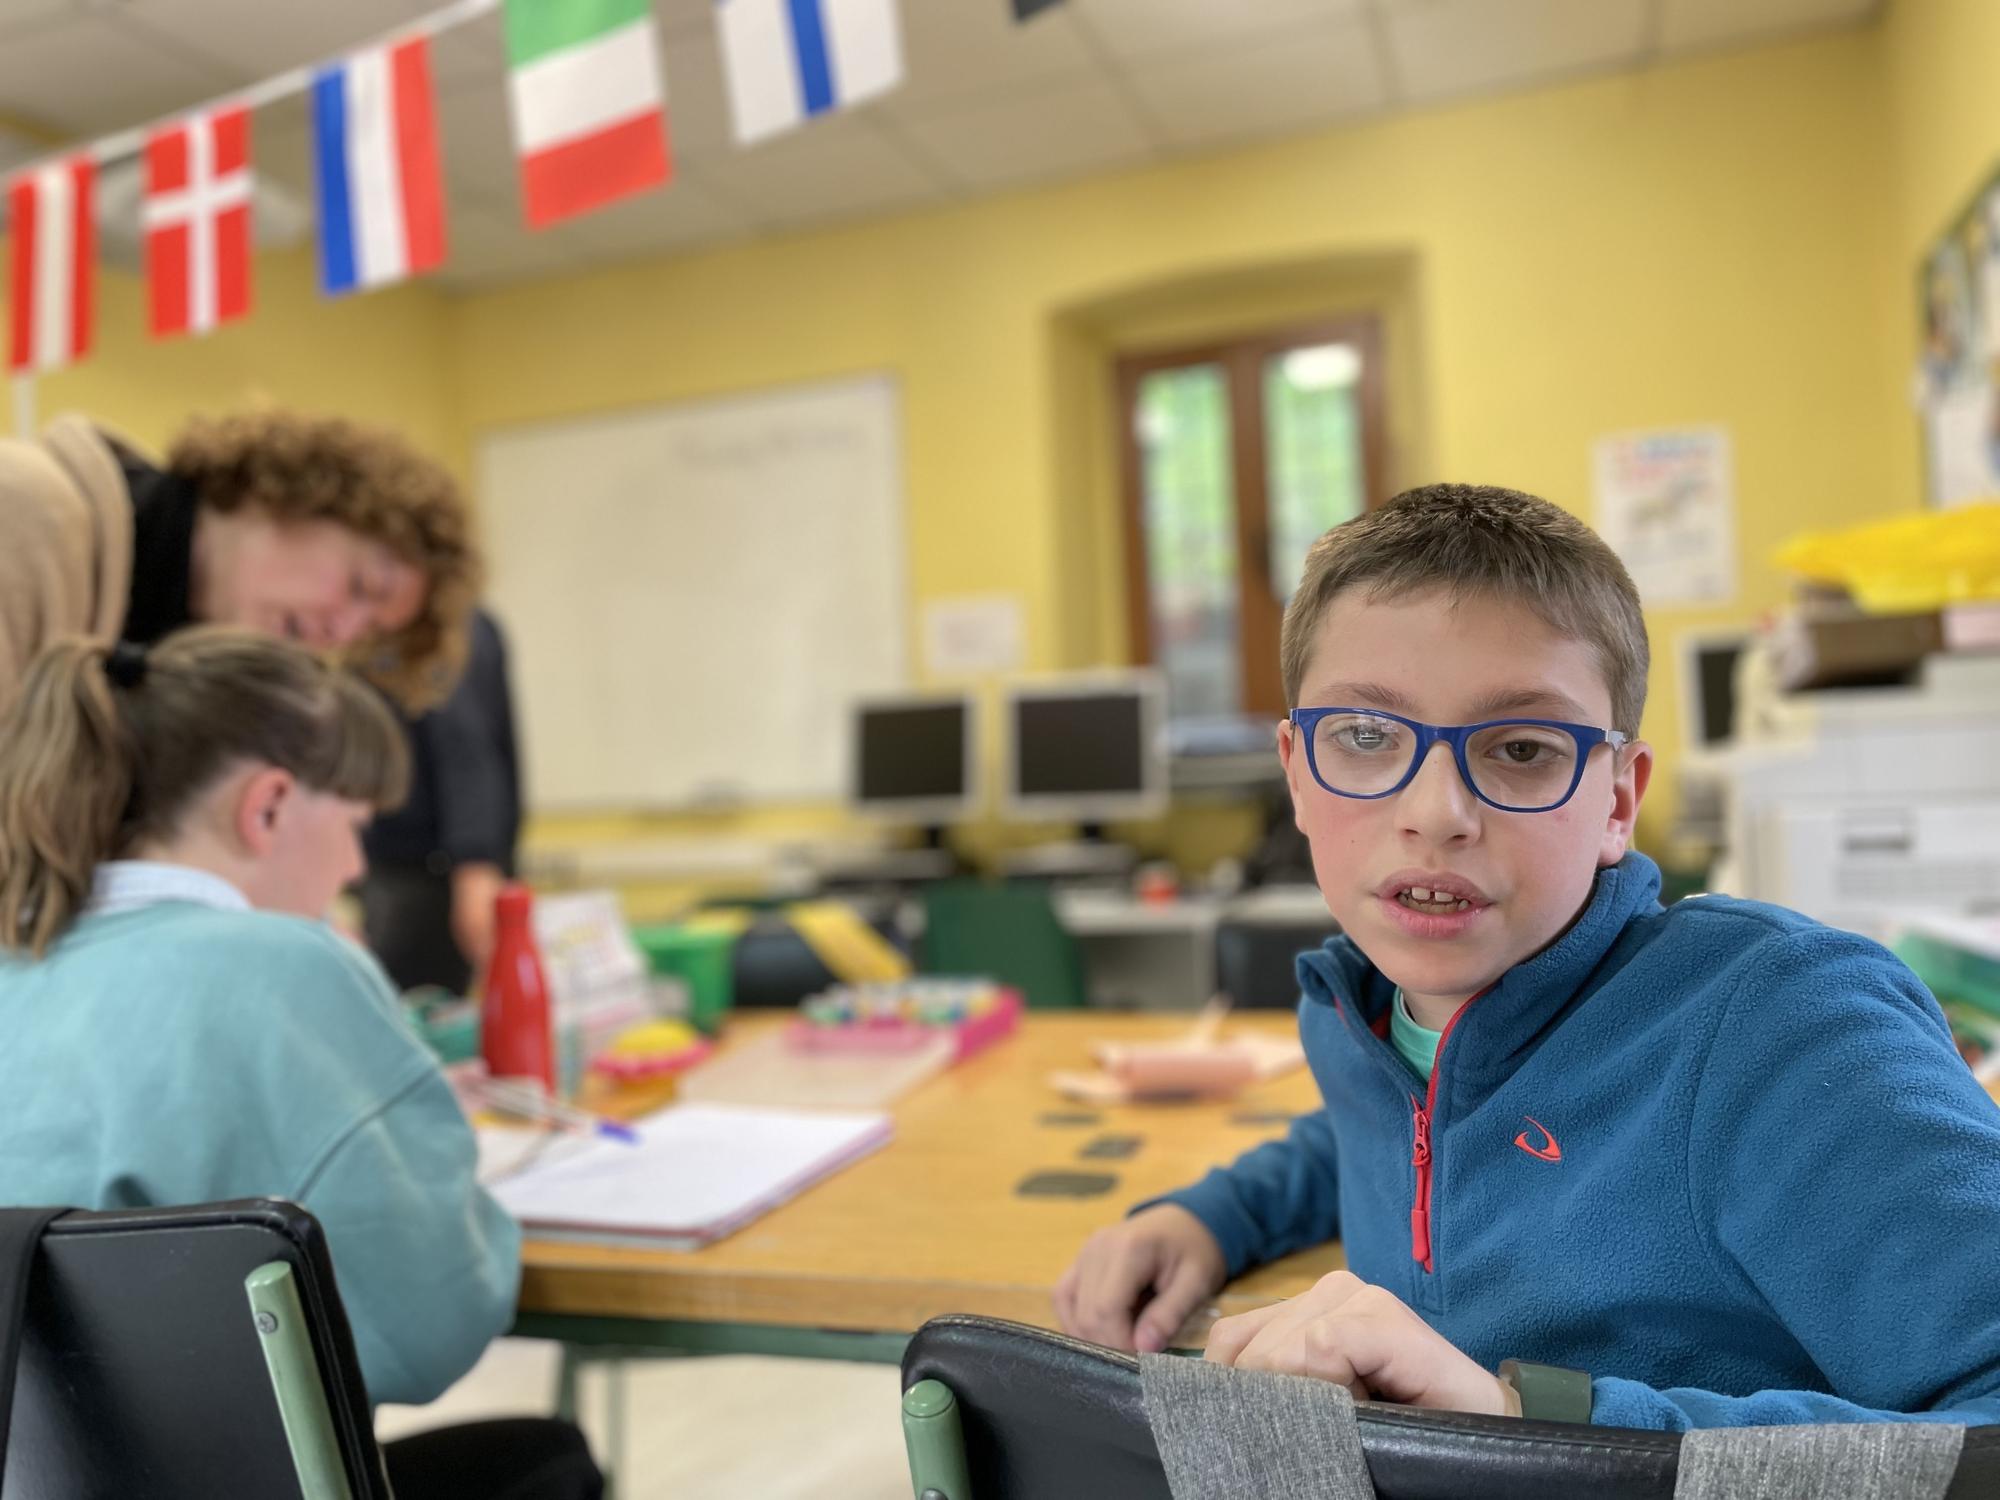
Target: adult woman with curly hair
x=339, y=536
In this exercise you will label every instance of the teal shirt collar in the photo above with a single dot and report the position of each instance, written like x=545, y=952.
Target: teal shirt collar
x=1417, y=1045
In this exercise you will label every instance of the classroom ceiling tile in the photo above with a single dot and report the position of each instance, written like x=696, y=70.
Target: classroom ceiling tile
x=678, y=17
x=1057, y=131
x=87, y=74
x=1133, y=28
x=988, y=103
x=258, y=38
x=476, y=139
x=1445, y=48
x=25, y=15
x=487, y=248
x=281, y=147
x=1292, y=80
x=18, y=149
x=836, y=167
x=474, y=52
x=1686, y=25
x=685, y=213
x=956, y=50
x=697, y=105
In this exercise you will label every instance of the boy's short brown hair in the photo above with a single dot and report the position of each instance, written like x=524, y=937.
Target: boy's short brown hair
x=1469, y=539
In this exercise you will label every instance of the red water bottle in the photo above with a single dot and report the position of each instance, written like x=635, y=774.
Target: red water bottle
x=516, y=1025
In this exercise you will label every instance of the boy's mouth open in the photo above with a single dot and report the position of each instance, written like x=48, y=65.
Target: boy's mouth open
x=1431, y=905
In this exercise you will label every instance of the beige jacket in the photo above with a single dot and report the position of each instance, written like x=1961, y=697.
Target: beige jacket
x=65, y=544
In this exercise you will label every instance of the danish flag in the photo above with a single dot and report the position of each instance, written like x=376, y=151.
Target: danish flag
x=197, y=218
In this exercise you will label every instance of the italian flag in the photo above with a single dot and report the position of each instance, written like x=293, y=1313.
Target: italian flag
x=589, y=105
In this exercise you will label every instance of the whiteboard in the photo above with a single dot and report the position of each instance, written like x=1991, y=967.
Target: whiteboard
x=695, y=593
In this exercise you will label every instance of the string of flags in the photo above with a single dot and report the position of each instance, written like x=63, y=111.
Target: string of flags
x=587, y=101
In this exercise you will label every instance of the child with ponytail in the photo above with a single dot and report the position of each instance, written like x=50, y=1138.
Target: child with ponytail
x=180, y=1027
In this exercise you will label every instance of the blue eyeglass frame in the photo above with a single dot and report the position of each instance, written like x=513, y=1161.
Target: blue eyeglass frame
x=1587, y=737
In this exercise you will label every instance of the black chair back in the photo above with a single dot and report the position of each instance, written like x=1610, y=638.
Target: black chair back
x=1256, y=958
x=143, y=1371
x=1046, y=1417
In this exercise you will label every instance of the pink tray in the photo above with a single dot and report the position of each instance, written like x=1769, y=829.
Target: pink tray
x=906, y=1036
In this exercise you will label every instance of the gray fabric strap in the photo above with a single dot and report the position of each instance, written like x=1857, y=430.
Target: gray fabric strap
x=1857, y=1461
x=1228, y=1434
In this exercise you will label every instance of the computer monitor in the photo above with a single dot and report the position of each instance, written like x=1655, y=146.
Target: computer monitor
x=1087, y=747
x=915, y=759
x=1708, y=689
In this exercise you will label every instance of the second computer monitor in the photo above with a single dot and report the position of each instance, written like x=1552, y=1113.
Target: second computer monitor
x=1085, y=748
x=914, y=759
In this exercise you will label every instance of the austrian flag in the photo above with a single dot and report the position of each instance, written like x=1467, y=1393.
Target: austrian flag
x=197, y=219
x=55, y=245
x=589, y=106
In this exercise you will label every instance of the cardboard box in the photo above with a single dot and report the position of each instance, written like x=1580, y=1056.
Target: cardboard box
x=1848, y=648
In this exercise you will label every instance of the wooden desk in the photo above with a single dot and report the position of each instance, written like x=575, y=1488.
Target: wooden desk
x=930, y=1224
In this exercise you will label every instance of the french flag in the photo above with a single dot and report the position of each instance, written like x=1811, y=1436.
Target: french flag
x=381, y=190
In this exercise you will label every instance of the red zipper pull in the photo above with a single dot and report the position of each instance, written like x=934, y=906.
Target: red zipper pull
x=1420, y=1210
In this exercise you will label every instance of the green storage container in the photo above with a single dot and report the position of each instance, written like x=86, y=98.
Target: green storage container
x=1952, y=972
x=699, y=953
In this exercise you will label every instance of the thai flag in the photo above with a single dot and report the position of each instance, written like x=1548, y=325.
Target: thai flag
x=381, y=192
x=787, y=60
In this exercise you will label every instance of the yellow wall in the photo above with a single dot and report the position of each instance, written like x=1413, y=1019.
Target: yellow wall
x=1702, y=242
x=1942, y=124
x=379, y=358
x=1697, y=243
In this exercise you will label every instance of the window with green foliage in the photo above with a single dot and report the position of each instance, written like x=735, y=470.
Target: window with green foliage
x=1238, y=457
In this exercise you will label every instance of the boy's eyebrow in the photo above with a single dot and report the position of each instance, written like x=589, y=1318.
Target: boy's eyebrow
x=1496, y=704
x=1504, y=701
x=1365, y=695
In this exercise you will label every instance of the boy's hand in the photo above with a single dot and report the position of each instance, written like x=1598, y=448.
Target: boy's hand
x=1359, y=1336
x=1133, y=1285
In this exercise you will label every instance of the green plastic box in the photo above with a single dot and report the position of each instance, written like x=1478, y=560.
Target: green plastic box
x=699, y=953
x=1952, y=972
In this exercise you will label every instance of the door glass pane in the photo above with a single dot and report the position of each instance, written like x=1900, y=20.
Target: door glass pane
x=1189, y=509
x=1318, y=477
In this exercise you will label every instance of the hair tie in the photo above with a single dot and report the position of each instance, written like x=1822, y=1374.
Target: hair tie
x=125, y=664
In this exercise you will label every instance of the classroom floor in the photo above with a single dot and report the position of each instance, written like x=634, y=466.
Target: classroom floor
x=707, y=1429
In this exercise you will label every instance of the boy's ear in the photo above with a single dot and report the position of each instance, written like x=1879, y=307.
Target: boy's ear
x=1295, y=767
x=1632, y=769
x=261, y=806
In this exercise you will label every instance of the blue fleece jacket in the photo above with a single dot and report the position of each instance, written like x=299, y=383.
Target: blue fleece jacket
x=1719, y=1155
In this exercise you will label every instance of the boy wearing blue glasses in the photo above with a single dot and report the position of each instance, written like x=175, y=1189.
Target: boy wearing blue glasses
x=1588, y=1158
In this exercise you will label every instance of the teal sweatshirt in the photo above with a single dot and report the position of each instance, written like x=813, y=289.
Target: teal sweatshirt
x=188, y=1049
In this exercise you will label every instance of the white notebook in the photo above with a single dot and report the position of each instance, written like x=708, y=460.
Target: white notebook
x=699, y=1172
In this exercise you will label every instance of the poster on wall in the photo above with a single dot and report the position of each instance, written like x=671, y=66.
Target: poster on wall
x=1666, y=503
x=1958, y=364
x=972, y=636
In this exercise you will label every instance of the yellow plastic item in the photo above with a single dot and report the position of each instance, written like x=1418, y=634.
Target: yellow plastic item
x=1910, y=564
x=652, y=1048
x=852, y=951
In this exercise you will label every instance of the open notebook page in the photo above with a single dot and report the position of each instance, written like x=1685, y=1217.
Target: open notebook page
x=698, y=1172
